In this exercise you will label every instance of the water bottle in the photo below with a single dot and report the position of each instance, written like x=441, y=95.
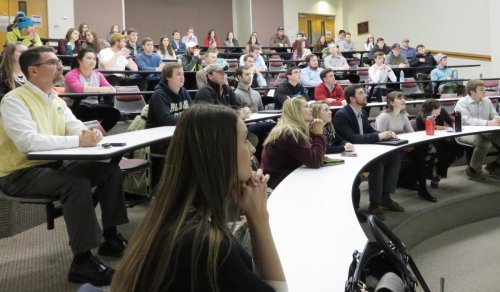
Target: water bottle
x=458, y=121
x=454, y=74
x=401, y=78
x=69, y=49
x=429, y=125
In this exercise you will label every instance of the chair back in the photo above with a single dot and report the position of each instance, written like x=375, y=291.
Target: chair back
x=129, y=104
x=492, y=93
x=275, y=63
x=233, y=64
x=410, y=82
x=343, y=83
x=449, y=106
x=95, y=124
x=492, y=86
x=410, y=86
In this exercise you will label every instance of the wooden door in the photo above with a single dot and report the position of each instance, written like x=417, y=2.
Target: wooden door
x=33, y=7
x=316, y=25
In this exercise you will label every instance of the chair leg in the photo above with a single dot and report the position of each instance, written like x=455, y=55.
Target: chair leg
x=52, y=213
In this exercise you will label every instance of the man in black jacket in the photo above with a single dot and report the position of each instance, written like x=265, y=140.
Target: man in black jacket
x=289, y=89
x=351, y=122
x=426, y=60
x=217, y=92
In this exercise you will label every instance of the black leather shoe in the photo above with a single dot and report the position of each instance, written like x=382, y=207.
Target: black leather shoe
x=93, y=271
x=427, y=196
x=391, y=205
x=113, y=247
x=361, y=217
x=375, y=210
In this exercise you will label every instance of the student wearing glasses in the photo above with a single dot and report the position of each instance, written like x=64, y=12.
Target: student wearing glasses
x=33, y=118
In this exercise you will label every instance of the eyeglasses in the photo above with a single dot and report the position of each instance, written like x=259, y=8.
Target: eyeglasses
x=49, y=62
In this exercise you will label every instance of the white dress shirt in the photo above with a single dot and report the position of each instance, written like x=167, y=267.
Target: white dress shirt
x=20, y=127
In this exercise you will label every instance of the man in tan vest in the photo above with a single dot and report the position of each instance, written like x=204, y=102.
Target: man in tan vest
x=34, y=118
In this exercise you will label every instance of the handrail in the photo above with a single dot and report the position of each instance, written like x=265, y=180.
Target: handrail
x=460, y=55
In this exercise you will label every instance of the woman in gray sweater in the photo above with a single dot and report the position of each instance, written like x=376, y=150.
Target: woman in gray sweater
x=395, y=119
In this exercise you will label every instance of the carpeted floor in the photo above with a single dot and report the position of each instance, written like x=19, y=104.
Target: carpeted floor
x=38, y=259
x=467, y=257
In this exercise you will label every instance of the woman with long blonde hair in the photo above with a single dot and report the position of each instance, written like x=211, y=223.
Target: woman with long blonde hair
x=296, y=139
x=184, y=242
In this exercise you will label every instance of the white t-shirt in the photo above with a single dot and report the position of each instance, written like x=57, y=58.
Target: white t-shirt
x=106, y=54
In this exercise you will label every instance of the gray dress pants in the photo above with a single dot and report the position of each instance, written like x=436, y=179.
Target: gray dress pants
x=72, y=182
x=483, y=143
x=382, y=181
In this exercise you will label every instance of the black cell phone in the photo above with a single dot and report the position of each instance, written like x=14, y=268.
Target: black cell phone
x=109, y=145
x=349, y=154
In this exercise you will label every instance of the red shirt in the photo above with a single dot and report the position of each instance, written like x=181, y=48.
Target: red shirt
x=206, y=42
x=321, y=92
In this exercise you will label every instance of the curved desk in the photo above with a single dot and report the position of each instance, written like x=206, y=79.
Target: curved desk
x=312, y=218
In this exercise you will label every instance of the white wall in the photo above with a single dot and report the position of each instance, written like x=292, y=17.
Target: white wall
x=242, y=20
x=449, y=25
x=61, y=17
x=292, y=8
x=494, y=37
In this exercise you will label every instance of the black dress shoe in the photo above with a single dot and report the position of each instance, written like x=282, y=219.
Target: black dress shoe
x=392, y=205
x=361, y=217
x=92, y=271
x=427, y=196
x=375, y=210
x=113, y=247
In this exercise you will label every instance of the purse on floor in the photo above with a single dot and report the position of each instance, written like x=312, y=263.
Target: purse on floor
x=384, y=264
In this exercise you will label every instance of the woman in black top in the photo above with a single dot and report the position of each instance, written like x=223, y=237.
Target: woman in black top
x=184, y=242
x=446, y=151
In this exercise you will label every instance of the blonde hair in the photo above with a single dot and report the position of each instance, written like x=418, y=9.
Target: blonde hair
x=292, y=122
x=316, y=112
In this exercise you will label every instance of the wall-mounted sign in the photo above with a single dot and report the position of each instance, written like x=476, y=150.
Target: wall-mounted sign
x=37, y=20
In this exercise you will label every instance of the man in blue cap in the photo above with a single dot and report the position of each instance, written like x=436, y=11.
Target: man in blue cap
x=24, y=32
